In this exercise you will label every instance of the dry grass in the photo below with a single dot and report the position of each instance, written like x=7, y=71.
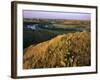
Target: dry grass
x=65, y=50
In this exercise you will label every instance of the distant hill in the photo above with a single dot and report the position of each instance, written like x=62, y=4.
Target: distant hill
x=66, y=50
x=64, y=23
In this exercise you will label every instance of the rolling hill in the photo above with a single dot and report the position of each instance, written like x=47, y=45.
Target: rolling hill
x=64, y=50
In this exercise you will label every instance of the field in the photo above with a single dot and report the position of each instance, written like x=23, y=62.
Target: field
x=56, y=43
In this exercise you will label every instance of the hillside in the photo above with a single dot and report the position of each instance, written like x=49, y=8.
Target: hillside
x=66, y=50
x=67, y=22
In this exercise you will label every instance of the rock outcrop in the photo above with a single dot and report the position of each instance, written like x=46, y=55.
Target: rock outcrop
x=66, y=50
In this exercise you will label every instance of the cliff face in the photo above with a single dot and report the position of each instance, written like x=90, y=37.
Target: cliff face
x=67, y=50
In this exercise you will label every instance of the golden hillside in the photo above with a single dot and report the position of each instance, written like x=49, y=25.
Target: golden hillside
x=82, y=23
x=67, y=50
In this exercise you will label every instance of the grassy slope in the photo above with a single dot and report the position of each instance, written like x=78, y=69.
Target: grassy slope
x=67, y=50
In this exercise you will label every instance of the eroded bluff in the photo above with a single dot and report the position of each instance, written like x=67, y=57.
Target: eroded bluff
x=66, y=50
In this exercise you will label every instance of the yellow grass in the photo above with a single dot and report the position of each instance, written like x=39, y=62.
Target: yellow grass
x=65, y=50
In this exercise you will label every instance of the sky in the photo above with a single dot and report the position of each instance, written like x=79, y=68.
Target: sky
x=56, y=15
